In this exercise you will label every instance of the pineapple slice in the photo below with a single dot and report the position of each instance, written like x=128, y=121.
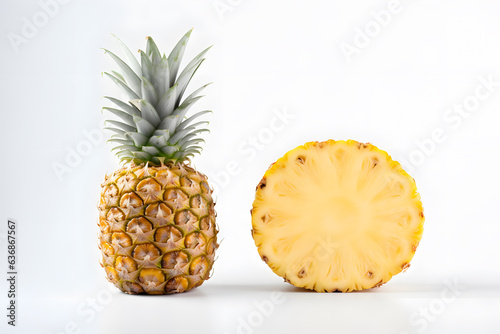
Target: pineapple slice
x=337, y=216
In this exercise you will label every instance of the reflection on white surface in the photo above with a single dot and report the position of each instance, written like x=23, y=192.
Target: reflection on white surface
x=279, y=308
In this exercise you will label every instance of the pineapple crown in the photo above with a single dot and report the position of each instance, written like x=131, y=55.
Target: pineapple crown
x=153, y=127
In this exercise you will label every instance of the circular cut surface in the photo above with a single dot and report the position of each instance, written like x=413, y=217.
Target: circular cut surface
x=337, y=216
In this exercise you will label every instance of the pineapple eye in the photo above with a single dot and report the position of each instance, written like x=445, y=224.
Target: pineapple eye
x=186, y=182
x=302, y=273
x=130, y=200
x=103, y=226
x=158, y=210
x=184, y=218
x=144, y=251
x=195, y=241
x=121, y=239
x=174, y=259
x=266, y=218
x=112, y=275
x=151, y=277
x=132, y=288
x=206, y=224
x=199, y=266
x=125, y=263
x=362, y=145
x=149, y=190
x=110, y=194
x=115, y=215
x=127, y=182
x=166, y=233
x=175, y=196
x=212, y=246
x=176, y=284
x=301, y=159
x=139, y=225
x=198, y=202
x=205, y=188
x=107, y=249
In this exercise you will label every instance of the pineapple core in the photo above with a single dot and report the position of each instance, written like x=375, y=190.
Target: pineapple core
x=337, y=216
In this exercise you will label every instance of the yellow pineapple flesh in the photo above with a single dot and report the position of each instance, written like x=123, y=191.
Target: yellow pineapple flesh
x=337, y=216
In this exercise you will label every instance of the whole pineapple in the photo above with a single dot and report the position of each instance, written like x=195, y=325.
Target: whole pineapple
x=337, y=216
x=157, y=230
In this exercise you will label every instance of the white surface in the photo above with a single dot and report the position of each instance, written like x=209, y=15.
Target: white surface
x=277, y=308
x=268, y=57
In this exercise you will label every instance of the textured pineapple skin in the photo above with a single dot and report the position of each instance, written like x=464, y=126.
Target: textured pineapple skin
x=157, y=231
x=296, y=278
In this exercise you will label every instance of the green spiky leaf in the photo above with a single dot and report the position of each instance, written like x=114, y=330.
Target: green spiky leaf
x=153, y=52
x=148, y=112
x=130, y=58
x=126, y=118
x=153, y=125
x=166, y=105
x=129, y=76
x=187, y=121
x=128, y=108
x=175, y=56
x=131, y=94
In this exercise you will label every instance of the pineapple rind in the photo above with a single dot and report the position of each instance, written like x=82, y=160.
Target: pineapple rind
x=157, y=230
x=337, y=245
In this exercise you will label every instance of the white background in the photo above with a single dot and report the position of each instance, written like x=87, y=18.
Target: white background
x=268, y=57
